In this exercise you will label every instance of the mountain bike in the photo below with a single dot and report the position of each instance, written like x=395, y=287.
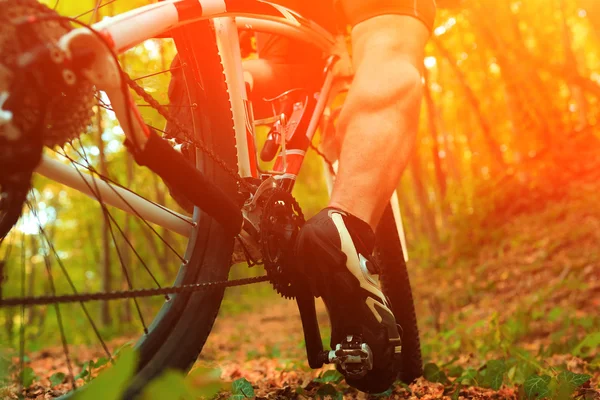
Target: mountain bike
x=57, y=72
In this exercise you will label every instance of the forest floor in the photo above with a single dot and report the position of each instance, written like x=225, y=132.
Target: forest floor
x=518, y=320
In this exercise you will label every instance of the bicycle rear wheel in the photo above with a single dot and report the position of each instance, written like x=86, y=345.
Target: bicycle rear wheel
x=181, y=325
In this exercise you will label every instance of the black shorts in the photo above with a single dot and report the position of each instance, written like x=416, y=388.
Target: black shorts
x=357, y=11
x=334, y=15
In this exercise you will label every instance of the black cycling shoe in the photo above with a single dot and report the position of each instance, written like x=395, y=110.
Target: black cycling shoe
x=334, y=248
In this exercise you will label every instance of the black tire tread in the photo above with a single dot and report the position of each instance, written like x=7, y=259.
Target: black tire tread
x=176, y=341
x=396, y=286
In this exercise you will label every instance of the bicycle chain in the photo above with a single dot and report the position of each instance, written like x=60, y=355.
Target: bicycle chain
x=186, y=132
x=125, y=294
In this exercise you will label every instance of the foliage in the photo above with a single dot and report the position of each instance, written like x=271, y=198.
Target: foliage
x=544, y=382
x=57, y=378
x=241, y=389
x=499, y=203
x=112, y=382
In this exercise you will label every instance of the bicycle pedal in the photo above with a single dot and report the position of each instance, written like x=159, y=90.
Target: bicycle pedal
x=353, y=356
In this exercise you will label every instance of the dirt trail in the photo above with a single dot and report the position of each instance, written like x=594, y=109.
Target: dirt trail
x=266, y=348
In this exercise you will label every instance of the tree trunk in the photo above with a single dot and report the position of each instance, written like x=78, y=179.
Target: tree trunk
x=33, y=311
x=592, y=8
x=577, y=95
x=534, y=106
x=427, y=215
x=440, y=175
x=493, y=147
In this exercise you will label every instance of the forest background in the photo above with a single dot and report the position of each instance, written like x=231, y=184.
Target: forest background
x=499, y=205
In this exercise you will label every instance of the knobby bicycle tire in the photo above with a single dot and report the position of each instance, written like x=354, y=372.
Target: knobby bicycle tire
x=178, y=338
x=395, y=283
x=177, y=334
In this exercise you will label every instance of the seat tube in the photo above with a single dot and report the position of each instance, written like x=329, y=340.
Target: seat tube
x=229, y=49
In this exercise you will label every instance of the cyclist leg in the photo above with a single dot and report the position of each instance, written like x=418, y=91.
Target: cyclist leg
x=376, y=129
x=380, y=115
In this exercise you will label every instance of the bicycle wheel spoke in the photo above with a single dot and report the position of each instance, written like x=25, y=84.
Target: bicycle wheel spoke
x=114, y=183
x=124, y=267
x=168, y=105
x=134, y=250
x=107, y=108
x=159, y=73
x=68, y=278
x=93, y=9
x=22, y=327
x=109, y=221
x=61, y=328
x=95, y=12
x=112, y=220
x=106, y=179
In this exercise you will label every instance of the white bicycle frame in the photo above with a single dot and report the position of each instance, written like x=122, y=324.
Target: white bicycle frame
x=131, y=28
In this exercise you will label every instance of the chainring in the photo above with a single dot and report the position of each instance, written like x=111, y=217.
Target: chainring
x=280, y=223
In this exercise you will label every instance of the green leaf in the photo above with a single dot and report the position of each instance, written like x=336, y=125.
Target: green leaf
x=126, y=345
x=433, y=373
x=101, y=362
x=84, y=373
x=57, y=379
x=568, y=382
x=456, y=394
x=243, y=387
x=555, y=314
x=404, y=386
x=591, y=341
x=331, y=375
x=112, y=382
x=28, y=376
x=574, y=379
x=169, y=385
x=455, y=371
x=387, y=394
x=537, y=386
x=494, y=374
x=469, y=377
x=329, y=390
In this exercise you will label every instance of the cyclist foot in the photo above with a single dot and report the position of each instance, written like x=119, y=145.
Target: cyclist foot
x=335, y=249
